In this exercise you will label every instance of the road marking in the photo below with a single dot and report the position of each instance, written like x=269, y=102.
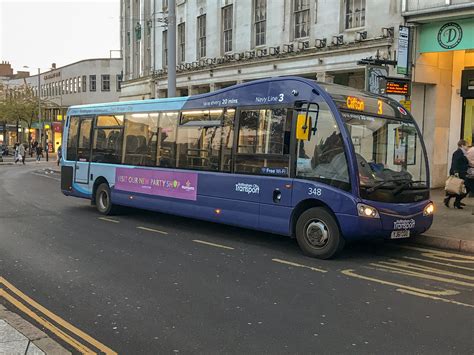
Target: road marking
x=351, y=273
x=213, y=244
x=424, y=268
x=442, y=255
x=45, y=312
x=298, y=265
x=439, y=263
x=433, y=297
x=109, y=220
x=399, y=271
x=46, y=176
x=151, y=230
x=62, y=335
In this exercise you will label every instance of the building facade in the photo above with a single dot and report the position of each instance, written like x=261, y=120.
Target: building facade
x=224, y=42
x=442, y=76
x=84, y=82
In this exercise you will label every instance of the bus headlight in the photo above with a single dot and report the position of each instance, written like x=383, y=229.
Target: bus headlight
x=367, y=211
x=429, y=209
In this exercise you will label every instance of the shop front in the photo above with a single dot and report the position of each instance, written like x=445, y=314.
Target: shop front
x=443, y=89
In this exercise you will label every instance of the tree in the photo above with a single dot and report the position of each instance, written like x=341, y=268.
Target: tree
x=20, y=105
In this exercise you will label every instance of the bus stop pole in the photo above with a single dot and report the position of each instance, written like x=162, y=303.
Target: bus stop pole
x=171, y=39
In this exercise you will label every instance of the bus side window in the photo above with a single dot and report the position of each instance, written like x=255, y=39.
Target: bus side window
x=263, y=146
x=322, y=158
x=199, y=140
x=166, y=139
x=108, y=139
x=227, y=140
x=140, y=139
x=71, y=152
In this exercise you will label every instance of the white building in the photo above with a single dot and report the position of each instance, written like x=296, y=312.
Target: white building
x=223, y=42
x=84, y=82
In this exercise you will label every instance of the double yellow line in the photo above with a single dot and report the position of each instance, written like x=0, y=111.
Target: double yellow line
x=58, y=326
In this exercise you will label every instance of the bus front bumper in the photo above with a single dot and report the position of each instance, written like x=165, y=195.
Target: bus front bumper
x=388, y=224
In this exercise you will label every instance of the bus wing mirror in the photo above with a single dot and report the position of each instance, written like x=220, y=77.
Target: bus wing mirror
x=303, y=126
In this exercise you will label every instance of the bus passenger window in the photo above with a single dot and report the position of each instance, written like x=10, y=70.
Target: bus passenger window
x=227, y=140
x=140, y=139
x=166, y=145
x=264, y=140
x=71, y=152
x=108, y=139
x=199, y=140
x=322, y=158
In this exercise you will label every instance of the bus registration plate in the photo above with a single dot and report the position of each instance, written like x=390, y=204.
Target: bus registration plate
x=400, y=234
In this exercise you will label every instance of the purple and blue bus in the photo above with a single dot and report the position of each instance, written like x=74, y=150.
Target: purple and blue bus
x=322, y=163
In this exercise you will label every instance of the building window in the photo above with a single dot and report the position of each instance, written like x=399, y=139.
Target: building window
x=227, y=24
x=92, y=82
x=119, y=82
x=260, y=18
x=79, y=84
x=301, y=18
x=84, y=83
x=355, y=13
x=105, y=82
x=181, y=42
x=164, y=5
x=201, y=23
x=165, y=49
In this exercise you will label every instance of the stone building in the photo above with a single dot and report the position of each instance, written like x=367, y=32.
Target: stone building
x=224, y=42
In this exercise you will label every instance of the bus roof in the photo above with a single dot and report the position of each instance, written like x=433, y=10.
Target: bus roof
x=271, y=91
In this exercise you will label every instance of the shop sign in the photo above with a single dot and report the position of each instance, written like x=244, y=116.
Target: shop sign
x=445, y=36
x=403, y=49
x=57, y=127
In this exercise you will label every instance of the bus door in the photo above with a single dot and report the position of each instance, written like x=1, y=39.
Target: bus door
x=275, y=163
x=83, y=150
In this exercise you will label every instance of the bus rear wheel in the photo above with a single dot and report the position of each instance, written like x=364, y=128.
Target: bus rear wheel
x=103, y=201
x=318, y=234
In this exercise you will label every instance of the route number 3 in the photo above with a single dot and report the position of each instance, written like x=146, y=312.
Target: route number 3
x=281, y=97
x=315, y=191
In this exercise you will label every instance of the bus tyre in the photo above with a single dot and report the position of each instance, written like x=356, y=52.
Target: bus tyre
x=318, y=234
x=103, y=201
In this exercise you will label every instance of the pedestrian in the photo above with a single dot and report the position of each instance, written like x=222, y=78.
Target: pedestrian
x=38, y=153
x=15, y=150
x=459, y=167
x=60, y=155
x=21, y=153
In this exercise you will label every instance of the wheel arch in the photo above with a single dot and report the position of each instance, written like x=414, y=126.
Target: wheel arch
x=98, y=181
x=305, y=205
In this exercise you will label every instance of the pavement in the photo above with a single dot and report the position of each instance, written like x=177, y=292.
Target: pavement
x=452, y=229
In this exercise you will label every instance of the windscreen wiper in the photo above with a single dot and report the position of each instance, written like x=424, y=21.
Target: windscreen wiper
x=384, y=182
x=404, y=186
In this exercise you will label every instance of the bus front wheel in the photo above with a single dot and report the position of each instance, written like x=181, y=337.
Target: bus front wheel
x=102, y=199
x=318, y=234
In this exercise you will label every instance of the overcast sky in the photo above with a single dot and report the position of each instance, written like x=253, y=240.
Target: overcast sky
x=37, y=33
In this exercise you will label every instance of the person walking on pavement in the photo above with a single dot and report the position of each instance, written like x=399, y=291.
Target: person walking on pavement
x=459, y=166
x=38, y=153
x=21, y=153
x=60, y=155
x=15, y=148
